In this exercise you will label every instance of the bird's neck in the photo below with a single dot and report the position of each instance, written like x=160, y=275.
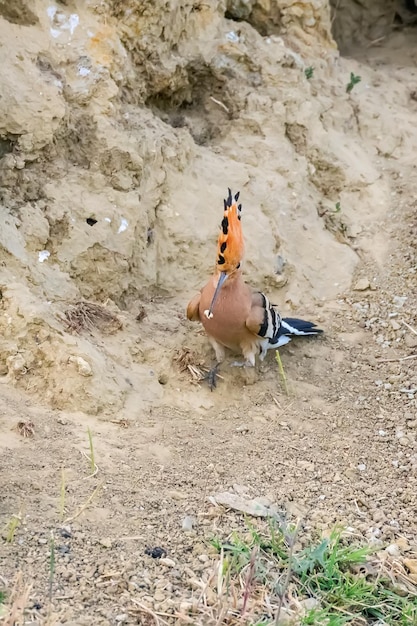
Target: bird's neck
x=232, y=277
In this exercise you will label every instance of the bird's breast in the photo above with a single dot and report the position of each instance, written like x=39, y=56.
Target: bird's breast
x=230, y=312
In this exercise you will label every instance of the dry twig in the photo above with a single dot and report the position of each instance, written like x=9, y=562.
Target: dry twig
x=88, y=316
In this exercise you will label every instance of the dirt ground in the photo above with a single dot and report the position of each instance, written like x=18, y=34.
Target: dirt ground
x=340, y=448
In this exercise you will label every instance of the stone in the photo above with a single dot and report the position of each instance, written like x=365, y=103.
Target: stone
x=393, y=550
x=188, y=523
x=411, y=565
x=362, y=284
x=83, y=367
x=233, y=501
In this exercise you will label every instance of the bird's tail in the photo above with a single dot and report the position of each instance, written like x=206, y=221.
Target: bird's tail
x=294, y=326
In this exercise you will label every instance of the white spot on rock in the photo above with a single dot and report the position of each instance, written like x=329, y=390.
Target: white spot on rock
x=50, y=11
x=231, y=36
x=43, y=255
x=73, y=22
x=123, y=225
x=60, y=22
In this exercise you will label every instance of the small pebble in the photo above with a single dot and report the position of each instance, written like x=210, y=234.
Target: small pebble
x=411, y=564
x=186, y=607
x=362, y=284
x=66, y=532
x=378, y=515
x=310, y=603
x=393, y=550
x=403, y=544
x=188, y=523
x=159, y=595
x=203, y=558
x=168, y=562
x=404, y=441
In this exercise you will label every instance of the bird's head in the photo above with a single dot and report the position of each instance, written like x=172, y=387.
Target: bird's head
x=230, y=245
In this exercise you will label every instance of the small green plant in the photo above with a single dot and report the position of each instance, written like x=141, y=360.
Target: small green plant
x=308, y=72
x=323, y=211
x=92, y=461
x=354, y=80
x=3, y=606
x=266, y=564
x=281, y=371
x=12, y=525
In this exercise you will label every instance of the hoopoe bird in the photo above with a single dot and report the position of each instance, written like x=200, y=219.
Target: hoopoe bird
x=234, y=315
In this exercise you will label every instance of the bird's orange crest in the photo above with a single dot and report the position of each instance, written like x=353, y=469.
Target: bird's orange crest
x=230, y=245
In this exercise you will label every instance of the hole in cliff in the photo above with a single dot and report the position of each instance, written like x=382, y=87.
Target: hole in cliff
x=267, y=21
x=229, y=15
x=17, y=13
x=369, y=23
x=91, y=221
x=7, y=144
x=411, y=5
x=201, y=102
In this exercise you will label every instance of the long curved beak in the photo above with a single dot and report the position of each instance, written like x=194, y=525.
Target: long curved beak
x=222, y=278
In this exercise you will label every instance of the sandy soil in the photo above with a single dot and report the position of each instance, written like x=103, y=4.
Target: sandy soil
x=340, y=448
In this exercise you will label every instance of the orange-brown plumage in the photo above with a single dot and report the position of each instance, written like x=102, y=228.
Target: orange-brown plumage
x=224, y=310
x=230, y=243
x=234, y=315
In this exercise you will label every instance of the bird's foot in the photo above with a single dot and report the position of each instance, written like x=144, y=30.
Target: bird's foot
x=211, y=377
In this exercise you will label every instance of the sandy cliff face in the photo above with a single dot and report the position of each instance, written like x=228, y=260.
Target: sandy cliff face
x=121, y=126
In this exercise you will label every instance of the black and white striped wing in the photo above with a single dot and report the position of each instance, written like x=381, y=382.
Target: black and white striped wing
x=263, y=320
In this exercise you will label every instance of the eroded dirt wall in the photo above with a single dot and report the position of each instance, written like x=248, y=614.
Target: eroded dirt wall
x=122, y=125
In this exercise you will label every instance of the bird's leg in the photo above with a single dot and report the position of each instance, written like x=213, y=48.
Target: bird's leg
x=249, y=359
x=213, y=371
x=211, y=375
x=248, y=366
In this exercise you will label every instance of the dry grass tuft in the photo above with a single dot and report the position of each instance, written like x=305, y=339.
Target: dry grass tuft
x=25, y=429
x=189, y=361
x=17, y=602
x=90, y=316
